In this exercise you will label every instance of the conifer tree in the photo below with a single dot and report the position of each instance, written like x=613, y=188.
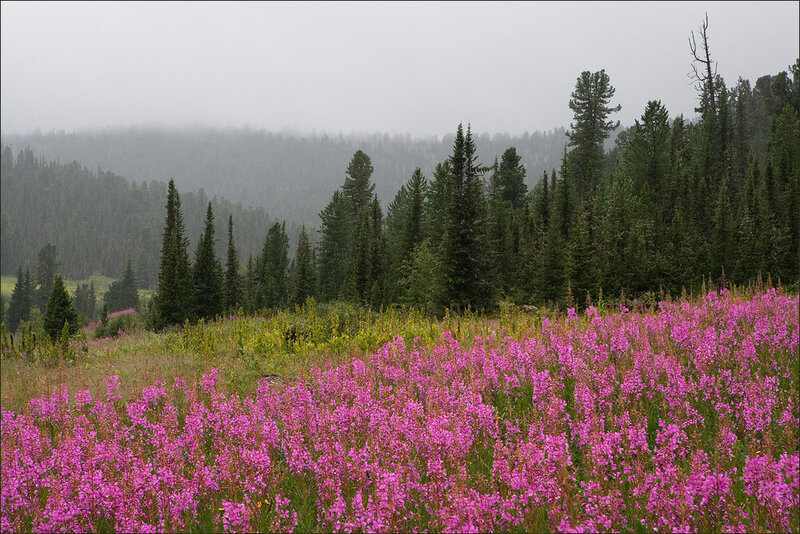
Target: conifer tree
x=233, y=283
x=304, y=271
x=172, y=302
x=580, y=267
x=251, y=285
x=273, y=265
x=465, y=268
x=123, y=294
x=335, y=248
x=507, y=192
x=357, y=187
x=405, y=226
x=209, y=290
x=590, y=104
x=60, y=311
x=46, y=267
x=435, y=200
x=19, y=307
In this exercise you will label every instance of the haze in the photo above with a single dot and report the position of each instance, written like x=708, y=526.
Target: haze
x=416, y=68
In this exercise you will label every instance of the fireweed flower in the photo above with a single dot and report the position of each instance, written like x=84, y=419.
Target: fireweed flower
x=681, y=420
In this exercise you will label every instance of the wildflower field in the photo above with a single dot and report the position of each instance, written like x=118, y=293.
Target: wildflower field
x=683, y=418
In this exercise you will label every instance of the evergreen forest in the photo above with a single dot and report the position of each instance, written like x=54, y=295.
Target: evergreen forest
x=672, y=203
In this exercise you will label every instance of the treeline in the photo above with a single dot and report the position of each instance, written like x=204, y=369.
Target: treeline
x=97, y=220
x=290, y=176
x=32, y=294
x=673, y=204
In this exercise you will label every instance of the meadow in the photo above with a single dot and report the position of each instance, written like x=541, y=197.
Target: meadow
x=676, y=416
x=101, y=284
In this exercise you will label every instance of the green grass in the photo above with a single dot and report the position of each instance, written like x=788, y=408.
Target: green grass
x=101, y=284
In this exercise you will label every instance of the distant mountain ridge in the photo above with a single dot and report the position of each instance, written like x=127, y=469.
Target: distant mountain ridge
x=98, y=219
x=291, y=176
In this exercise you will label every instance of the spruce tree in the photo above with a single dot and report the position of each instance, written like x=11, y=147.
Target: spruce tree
x=172, y=302
x=507, y=192
x=335, y=247
x=233, y=283
x=405, y=226
x=19, y=307
x=377, y=255
x=209, y=291
x=60, y=310
x=273, y=265
x=580, y=267
x=304, y=273
x=435, y=203
x=465, y=268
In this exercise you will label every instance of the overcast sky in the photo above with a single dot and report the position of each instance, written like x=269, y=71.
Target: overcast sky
x=417, y=68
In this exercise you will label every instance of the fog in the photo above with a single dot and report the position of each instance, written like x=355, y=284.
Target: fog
x=407, y=68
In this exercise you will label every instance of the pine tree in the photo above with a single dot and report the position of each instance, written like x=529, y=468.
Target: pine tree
x=172, y=303
x=357, y=187
x=304, y=285
x=209, y=290
x=233, y=283
x=60, y=311
x=590, y=128
x=19, y=307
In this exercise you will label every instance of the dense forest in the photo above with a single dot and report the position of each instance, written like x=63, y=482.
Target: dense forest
x=290, y=176
x=672, y=204
x=98, y=220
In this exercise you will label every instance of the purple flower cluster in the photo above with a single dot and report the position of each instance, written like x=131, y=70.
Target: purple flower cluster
x=120, y=313
x=685, y=420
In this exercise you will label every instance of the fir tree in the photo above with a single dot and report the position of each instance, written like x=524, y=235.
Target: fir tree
x=19, y=307
x=209, y=291
x=172, y=303
x=273, y=265
x=465, y=269
x=233, y=284
x=304, y=271
x=335, y=248
x=60, y=311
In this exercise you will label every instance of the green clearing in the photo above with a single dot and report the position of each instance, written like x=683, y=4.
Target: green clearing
x=101, y=284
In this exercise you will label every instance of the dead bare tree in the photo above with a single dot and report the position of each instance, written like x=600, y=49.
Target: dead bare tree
x=705, y=80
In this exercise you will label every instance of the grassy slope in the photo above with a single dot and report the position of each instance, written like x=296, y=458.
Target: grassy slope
x=101, y=284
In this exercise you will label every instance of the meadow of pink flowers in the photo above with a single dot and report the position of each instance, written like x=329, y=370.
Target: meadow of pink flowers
x=683, y=420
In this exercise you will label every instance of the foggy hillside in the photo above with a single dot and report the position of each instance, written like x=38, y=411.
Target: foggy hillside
x=292, y=177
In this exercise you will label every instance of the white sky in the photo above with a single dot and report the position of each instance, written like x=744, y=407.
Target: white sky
x=418, y=68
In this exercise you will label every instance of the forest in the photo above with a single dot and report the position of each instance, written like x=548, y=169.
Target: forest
x=673, y=204
x=289, y=175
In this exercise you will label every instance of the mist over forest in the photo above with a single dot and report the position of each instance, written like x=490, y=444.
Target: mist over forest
x=290, y=176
